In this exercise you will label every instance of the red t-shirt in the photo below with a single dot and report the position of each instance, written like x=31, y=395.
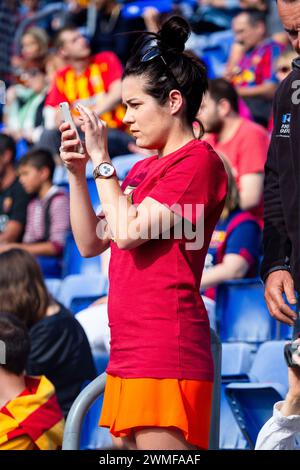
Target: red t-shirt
x=246, y=151
x=159, y=325
x=103, y=70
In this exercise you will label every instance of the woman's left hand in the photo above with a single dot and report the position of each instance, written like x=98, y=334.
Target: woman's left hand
x=95, y=132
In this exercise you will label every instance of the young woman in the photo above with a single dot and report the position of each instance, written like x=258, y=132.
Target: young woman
x=59, y=346
x=159, y=385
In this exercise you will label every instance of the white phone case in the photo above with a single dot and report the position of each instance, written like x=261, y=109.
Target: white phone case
x=67, y=117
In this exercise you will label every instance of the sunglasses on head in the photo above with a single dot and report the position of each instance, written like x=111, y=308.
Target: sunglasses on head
x=154, y=52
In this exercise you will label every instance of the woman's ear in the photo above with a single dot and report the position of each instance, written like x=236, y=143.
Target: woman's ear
x=175, y=101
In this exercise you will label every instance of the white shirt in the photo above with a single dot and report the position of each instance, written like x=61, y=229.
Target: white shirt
x=279, y=432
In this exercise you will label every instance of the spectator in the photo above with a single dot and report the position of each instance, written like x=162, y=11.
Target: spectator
x=34, y=49
x=284, y=64
x=242, y=142
x=254, y=77
x=47, y=222
x=235, y=246
x=13, y=199
x=282, y=430
x=160, y=330
x=23, y=112
x=59, y=347
x=30, y=417
x=91, y=80
x=110, y=26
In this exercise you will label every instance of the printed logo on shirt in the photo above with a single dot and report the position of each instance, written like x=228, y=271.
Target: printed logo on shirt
x=285, y=128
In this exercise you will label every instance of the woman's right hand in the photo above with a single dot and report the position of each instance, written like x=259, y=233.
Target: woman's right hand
x=74, y=161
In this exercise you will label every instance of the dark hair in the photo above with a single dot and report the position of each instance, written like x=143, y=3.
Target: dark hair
x=177, y=67
x=220, y=89
x=15, y=338
x=254, y=16
x=7, y=143
x=22, y=288
x=39, y=158
x=57, y=40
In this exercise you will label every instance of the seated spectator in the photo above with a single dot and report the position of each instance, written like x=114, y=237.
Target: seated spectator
x=282, y=430
x=243, y=143
x=59, y=347
x=94, y=81
x=23, y=112
x=13, y=199
x=34, y=49
x=30, y=417
x=110, y=26
x=254, y=76
x=48, y=219
x=235, y=247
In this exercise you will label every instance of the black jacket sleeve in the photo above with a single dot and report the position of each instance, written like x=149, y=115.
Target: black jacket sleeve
x=276, y=243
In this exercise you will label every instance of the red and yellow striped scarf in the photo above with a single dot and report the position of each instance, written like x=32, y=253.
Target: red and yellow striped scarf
x=32, y=420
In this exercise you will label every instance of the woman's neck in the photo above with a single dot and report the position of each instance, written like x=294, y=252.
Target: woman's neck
x=175, y=141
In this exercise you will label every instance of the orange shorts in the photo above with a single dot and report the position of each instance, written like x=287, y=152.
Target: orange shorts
x=136, y=403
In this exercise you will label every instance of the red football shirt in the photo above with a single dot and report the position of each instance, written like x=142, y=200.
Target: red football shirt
x=246, y=151
x=103, y=70
x=159, y=325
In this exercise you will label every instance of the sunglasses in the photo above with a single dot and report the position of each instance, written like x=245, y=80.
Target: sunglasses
x=154, y=52
x=283, y=69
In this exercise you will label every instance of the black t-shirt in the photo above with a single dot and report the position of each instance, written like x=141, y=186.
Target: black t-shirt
x=60, y=350
x=13, y=204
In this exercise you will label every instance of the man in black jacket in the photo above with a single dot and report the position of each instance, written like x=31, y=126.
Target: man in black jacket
x=281, y=264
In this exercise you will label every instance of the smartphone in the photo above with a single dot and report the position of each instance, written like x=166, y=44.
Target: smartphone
x=67, y=117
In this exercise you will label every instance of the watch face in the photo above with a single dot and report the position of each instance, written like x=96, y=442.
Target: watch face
x=106, y=170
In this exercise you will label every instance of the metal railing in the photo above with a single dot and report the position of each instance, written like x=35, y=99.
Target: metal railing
x=92, y=392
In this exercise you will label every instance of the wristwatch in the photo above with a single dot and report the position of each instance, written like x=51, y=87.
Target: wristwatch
x=104, y=170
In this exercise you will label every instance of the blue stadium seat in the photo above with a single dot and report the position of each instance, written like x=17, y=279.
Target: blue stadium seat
x=80, y=290
x=242, y=313
x=60, y=178
x=53, y=286
x=237, y=359
x=236, y=362
x=252, y=403
x=74, y=263
x=124, y=163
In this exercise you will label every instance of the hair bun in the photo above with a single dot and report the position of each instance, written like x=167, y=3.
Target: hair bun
x=174, y=33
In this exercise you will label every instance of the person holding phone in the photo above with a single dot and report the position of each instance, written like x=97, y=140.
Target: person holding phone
x=158, y=224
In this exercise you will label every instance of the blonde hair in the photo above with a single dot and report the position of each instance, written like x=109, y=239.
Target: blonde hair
x=40, y=36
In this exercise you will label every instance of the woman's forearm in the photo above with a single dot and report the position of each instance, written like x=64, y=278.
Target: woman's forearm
x=83, y=218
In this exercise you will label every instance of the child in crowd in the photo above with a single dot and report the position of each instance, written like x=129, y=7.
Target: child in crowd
x=30, y=417
x=47, y=221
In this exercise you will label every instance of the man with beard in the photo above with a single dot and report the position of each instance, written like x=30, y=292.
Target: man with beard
x=281, y=264
x=242, y=142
